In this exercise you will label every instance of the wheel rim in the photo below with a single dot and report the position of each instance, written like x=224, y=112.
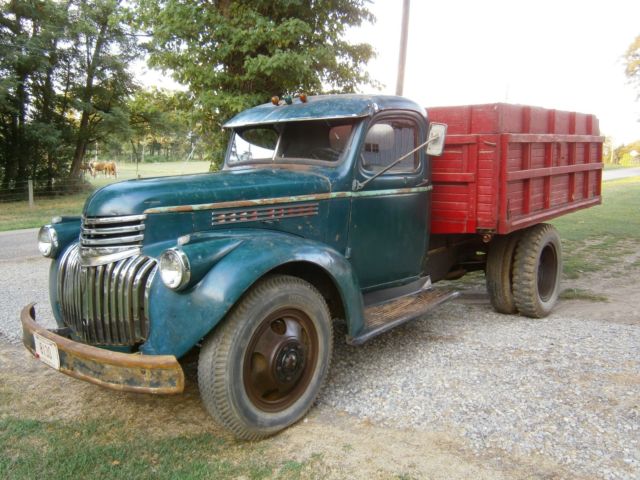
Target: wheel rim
x=280, y=360
x=547, y=272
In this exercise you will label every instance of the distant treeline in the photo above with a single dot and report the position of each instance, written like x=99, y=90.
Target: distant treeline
x=67, y=90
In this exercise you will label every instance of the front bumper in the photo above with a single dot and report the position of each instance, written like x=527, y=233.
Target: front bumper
x=160, y=374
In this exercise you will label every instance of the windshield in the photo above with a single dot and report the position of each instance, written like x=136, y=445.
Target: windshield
x=318, y=140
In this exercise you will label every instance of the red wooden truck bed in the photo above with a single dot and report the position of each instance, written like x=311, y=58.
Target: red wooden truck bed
x=506, y=167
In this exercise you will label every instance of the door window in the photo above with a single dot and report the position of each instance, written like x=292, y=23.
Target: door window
x=388, y=140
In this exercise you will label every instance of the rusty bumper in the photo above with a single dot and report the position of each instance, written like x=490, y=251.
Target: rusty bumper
x=160, y=374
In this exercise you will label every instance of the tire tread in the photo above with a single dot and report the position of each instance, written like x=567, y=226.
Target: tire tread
x=498, y=273
x=215, y=352
x=525, y=271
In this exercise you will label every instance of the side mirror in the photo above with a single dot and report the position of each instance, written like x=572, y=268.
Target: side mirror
x=437, y=135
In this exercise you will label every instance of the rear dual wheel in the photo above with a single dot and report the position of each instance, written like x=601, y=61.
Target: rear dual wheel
x=498, y=273
x=537, y=269
x=523, y=271
x=262, y=368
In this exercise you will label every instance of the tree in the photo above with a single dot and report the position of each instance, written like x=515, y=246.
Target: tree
x=628, y=155
x=608, y=151
x=29, y=32
x=236, y=54
x=162, y=120
x=632, y=63
x=104, y=46
x=63, y=83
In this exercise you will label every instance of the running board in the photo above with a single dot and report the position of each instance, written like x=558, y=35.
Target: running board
x=385, y=316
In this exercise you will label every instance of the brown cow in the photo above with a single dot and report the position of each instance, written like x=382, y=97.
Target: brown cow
x=108, y=168
x=86, y=167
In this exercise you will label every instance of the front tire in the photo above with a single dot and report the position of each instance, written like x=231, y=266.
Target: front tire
x=537, y=270
x=262, y=368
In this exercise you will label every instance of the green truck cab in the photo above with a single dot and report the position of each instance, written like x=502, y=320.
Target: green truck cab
x=321, y=212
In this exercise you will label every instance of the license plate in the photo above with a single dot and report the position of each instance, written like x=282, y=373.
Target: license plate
x=47, y=351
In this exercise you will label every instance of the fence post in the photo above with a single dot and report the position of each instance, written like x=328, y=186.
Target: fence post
x=30, y=193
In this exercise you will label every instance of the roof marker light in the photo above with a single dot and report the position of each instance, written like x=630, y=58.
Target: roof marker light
x=303, y=97
x=288, y=100
x=275, y=100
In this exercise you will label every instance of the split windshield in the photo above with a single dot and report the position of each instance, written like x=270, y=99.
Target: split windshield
x=318, y=140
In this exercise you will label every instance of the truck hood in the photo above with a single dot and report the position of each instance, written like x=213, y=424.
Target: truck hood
x=135, y=196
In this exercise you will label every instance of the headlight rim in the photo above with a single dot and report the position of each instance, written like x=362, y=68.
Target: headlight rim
x=54, y=244
x=185, y=268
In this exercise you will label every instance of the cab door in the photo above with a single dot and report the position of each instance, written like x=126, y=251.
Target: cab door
x=389, y=224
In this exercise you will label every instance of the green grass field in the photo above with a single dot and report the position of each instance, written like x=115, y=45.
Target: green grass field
x=17, y=215
x=128, y=171
x=107, y=449
x=593, y=238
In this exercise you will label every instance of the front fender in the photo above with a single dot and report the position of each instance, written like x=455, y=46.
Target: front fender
x=179, y=320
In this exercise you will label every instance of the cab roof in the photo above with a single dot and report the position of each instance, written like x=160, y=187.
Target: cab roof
x=322, y=107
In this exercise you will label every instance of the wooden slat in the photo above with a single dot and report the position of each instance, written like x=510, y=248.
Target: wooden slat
x=551, y=137
x=543, y=172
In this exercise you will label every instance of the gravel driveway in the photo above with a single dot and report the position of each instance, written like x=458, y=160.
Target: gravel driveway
x=24, y=279
x=565, y=389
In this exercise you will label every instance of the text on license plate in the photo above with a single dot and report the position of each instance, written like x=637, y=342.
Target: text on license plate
x=47, y=351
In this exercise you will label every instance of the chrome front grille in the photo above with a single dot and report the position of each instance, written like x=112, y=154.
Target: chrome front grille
x=106, y=304
x=107, y=239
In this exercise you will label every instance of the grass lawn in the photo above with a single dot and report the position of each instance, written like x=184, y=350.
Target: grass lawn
x=17, y=215
x=106, y=449
x=595, y=237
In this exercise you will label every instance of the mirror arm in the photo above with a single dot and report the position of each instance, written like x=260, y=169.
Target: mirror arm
x=357, y=185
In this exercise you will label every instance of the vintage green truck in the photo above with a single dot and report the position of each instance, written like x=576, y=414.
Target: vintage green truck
x=328, y=207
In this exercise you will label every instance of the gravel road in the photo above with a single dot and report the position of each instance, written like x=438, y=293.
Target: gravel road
x=24, y=279
x=565, y=389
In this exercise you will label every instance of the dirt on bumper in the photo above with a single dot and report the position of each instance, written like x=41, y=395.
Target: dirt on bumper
x=159, y=374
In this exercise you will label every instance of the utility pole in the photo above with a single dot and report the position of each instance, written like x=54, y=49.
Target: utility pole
x=403, y=47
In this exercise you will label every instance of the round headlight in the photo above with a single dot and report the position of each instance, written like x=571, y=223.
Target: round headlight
x=48, y=241
x=174, y=269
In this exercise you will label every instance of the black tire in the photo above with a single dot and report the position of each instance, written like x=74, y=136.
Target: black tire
x=537, y=270
x=498, y=272
x=262, y=368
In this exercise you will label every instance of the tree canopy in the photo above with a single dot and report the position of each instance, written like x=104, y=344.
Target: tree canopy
x=632, y=63
x=66, y=82
x=236, y=54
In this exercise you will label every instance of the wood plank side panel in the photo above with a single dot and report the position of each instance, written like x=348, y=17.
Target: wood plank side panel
x=454, y=185
x=545, y=163
x=556, y=188
x=488, y=182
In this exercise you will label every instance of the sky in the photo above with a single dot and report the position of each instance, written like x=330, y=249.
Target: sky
x=562, y=54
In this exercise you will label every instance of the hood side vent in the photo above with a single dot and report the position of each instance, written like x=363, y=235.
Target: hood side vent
x=263, y=214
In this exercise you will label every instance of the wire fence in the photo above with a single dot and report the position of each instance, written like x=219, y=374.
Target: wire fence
x=31, y=190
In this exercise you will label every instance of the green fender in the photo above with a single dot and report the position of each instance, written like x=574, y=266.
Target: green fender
x=225, y=265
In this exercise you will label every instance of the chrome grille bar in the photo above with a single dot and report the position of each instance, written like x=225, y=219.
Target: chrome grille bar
x=106, y=304
x=120, y=219
x=105, y=240
x=89, y=242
